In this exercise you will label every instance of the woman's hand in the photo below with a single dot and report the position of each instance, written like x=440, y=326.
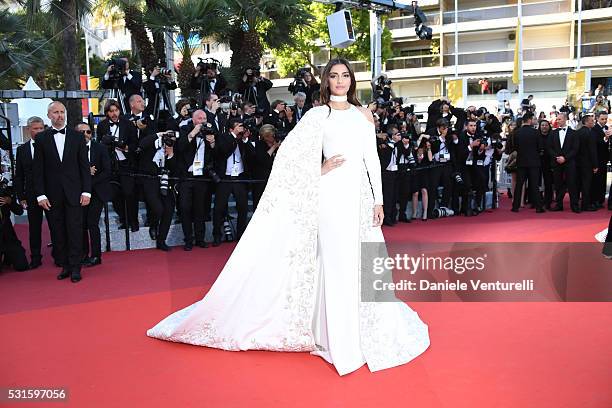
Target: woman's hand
x=378, y=215
x=331, y=163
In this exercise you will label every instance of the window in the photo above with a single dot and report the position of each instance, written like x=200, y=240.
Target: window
x=495, y=85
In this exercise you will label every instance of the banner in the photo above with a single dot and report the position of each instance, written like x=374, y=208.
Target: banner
x=454, y=91
x=576, y=84
x=516, y=72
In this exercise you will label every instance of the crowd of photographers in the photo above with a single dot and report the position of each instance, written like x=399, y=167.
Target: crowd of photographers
x=187, y=159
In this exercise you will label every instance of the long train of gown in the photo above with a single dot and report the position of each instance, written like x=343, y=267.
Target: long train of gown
x=256, y=304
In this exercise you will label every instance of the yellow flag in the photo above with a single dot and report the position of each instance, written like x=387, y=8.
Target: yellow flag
x=94, y=83
x=516, y=78
x=454, y=91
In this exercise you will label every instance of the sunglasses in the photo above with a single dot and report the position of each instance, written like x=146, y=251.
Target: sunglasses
x=86, y=131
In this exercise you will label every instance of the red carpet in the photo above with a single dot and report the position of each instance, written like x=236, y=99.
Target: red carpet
x=90, y=337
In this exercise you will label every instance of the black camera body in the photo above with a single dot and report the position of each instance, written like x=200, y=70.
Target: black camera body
x=168, y=138
x=252, y=72
x=205, y=130
x=119, y=68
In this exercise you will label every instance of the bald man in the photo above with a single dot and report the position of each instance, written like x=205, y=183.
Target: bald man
x=62, y=184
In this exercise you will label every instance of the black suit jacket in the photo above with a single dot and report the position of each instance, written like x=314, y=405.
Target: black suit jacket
x=260, y=162
x=529, y=147
x=24, y=180
x=185, y=151
x=129, y=87
x=100, y=182
x=294, y=118
x=587, y=151
x=154, y=93
x=125, y=135
x=4, y=142
x=601, y=146
x=201, y=83
x=225, y=146
x=385, y=154
x=569, y=150
x=66, y=178
x=222, y=119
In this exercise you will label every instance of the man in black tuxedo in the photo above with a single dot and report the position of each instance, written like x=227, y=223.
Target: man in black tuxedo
x=544, y=131
x=158, y=100
x=231, y=165
x=586, y=162
x=279, y=116
x=99, y=164
x=117, y=133
x=195, y=148
x=441, y=174
x=529, y=149
x=602, y=135
x=389, y=161
x=262, y=159
x=62, y=184
x=562, y=146
x=299, y=109
x=254, y=88
x=128, y=82
x=206, y=79
x=24, y=189
x=213, y=115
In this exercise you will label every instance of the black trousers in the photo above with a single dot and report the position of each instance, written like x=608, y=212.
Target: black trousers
x=404, y=192
x=124, y=195
x=547, y=177
x=585, y=180
x=564, y=177
x=191, y=201
x=168, y=203
x=474, y=178
x=258, y=189
x=240, y=192
x=13, y=254
x=531, y=175
x=66, y=225
x=35, y=219
x=152, y=197
x=390, y=194
x=440, y=176
x=599, y=184
x=607, y=249
x=91, y=227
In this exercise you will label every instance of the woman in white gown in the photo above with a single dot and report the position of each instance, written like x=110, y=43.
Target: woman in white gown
x=293, y=281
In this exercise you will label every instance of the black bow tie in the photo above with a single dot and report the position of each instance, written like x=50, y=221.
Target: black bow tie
x=563, y=129
x=55, y=131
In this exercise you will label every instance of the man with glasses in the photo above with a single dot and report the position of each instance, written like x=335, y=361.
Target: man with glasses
x=212, y=113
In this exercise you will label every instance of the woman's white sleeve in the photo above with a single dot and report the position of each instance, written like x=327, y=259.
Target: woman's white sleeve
x=373, y=166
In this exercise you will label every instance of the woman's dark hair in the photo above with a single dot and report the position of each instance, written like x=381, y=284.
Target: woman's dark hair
x=540, y=124
x=325, y=91
x=179, y=105
x=109, y=104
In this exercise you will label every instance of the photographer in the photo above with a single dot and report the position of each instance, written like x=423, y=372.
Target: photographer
x=12, y=252
x=262, y=159
x=230, y=164
x=305, y=83
x=119, y=76
x=406, y=165
x=440, y=175
x=158, y=100
x=382, y=88
x=529, y=150
x=280, y=116
x=195, y=148
x=389, y=159
x=299, y=109
x=254, y=87
x=213, y=113
x=24, y=189
x=207, y=79
x=157, y=160
x=116, y=133
x=99, y=164
x=420, y=180
x=183, y=114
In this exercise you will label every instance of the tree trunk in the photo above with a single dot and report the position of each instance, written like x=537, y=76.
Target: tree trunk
x=134, y=22
x=246, y=50
x=186, y=68
x=70, y=63
x=159, y=43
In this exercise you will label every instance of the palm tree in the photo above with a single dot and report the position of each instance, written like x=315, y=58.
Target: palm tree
x=21, y=50
x=258, y=23
x=187, y=17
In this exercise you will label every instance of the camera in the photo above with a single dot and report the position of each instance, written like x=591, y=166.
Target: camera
x=119, y=68
x=165, y=71
x=205, y=130
x=168, y=138
x=164, y=183
x=457, y=178
x=5, y=189
x=443, y=212
x=252, y=72
x=383, y=81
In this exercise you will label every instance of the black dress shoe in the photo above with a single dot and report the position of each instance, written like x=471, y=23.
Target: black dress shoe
x=163, y=246
x=557, y=208
x=153, y=233
x=590, y=208
x=58, y=264
x=216, y=242
x=75, y=276
x=35, y=263
x=202, y=244
x=134, y=228
x=540, y=210
x=576, y=210
x=388, y=223
x=404, y=219
x=121, y=226
x=187, y=247
x=515, y=210
x=85, y=260
x=64, y=274
x=94, y=260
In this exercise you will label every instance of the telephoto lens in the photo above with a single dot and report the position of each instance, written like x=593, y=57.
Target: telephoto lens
x=227, y=230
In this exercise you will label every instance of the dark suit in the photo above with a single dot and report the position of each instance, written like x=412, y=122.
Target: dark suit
x=192, y=193
x=4, y=142
x=154, y=94
x=586, y=161
x=546, y=171
x=24, y=189
x=225, y=149
x=256, y=94
x=62, y=181
x=598, y=187
x=389, y=156
x=205, y=87
x=564, y=175
x=261, y=164
x=297, y=116
x=127, y=86
x=101, y=194
x=529, y=149
x=441, y=176
x=218, y=120
x=123, y=193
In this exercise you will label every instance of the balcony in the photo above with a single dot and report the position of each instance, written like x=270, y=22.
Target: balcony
x=493, y=13
x=596, y=50
x=408, y=21
x=413, y=62
x=595, y=4
x=489, y=57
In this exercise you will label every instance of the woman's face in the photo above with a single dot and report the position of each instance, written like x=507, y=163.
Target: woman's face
x=185, y=110
x=307, y=77
x=339, y=80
